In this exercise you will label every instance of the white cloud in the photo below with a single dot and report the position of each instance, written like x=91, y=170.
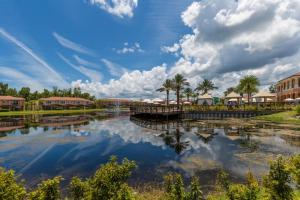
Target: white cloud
x=93, y=75
x=120, y=8
x=136, y=47
x=22, y=78
x=72, y=45
x=228, y=40
x=34, y=66
x=135, y=84
x=114, y=69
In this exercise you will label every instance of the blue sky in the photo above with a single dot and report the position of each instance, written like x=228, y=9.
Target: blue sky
x=127, y=48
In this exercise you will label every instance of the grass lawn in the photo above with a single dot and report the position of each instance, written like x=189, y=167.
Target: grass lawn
x=282, y=117
x=41, y=112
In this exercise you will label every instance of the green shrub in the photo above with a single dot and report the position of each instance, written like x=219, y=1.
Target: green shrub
x=293, y=165
x=278, y=181
x=297, y=110
x=109, y=182
x=195, y=190
x=9, y=188
x=223, y=181
x=237, y=192
x=47, y=190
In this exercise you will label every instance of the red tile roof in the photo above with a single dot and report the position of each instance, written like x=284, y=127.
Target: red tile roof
x=64, y=99
x=11, y=98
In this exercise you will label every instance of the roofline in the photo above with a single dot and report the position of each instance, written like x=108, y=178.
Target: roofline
x=297, y=74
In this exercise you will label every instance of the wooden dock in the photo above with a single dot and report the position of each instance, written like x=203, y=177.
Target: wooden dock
x=155, y=111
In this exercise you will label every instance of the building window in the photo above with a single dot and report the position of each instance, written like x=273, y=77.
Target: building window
x=293, y=83
x=284, y=86
x=298, y=82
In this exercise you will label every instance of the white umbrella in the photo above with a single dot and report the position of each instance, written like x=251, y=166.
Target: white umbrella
x=289, y=99
x=187, y=103
x=147, y=101
x=232, y=100
x=157, y=100
x=173, y=102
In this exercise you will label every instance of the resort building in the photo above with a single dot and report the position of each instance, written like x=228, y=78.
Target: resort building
x=114, y=102
x=11, y=103
x=288, y=88
x=205, y=99
x=64, y=103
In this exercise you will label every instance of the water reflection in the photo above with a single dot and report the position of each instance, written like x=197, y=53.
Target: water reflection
x=79, y=144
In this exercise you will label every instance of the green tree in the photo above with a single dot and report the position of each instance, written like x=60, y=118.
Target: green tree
x=12, y=92
x=293, y=165
x=3, y=89
x=272, y=88
x=188, y=93
x=278, y=181
x=25, y=93
x=248, y=85
x=223, y=181
x=205, y=86
x=178, y=84
x=10, y=189
x=166, y=87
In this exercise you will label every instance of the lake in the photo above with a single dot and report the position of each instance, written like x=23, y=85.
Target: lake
x=40, y=147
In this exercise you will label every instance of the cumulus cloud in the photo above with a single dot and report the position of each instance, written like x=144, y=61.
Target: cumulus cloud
x=230, y=39
x=135, y=84
x=120, y=8
x=136, y=47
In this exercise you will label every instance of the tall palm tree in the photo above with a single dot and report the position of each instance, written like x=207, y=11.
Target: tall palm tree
x=206, y=86
x=166, y=87
x=178, y=83
x=188, y=93
x=248, y=85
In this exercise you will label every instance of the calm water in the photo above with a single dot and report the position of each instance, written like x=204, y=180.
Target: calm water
x=42, y=147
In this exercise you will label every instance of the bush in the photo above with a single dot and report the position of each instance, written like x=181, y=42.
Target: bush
x=297, y=110
x=278, y=181
x=109, y=182
x=293, y=165
x=9, y=188
x=47, y=190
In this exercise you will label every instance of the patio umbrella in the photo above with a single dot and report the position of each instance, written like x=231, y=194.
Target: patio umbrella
x=289, y=100
x=172, y=102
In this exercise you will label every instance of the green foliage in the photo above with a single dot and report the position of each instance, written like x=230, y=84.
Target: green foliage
x=297, y=110
x=174, y=187
x=278, y=181
x=223, y=181
x=109, y=182
x=47, y=190
x=205, y=86
x=78, y=188
x=248, y=85
x=237, y=192
x=293, y=165
x=178, y=83
x=195, y=192
x=29, y=95
x=9, y=188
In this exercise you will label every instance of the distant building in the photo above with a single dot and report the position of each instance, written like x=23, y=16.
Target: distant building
x=288, y=87
x=12, y=103
x=114, y=102
x=64, y=103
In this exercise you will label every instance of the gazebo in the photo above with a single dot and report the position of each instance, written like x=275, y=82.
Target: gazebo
x=233, y=97
x=264, y=96
x=205, y=99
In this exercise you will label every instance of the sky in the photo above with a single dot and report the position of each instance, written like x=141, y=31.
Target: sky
x=127, y=48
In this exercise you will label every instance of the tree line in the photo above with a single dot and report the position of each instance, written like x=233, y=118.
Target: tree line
x=29, y=95
x=247, y=85
x=110, y=183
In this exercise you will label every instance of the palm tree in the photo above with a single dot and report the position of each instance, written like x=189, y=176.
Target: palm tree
x=166, y=87
x=206, y=86
x=248, y=85
x=178, y=83
x=188, y=93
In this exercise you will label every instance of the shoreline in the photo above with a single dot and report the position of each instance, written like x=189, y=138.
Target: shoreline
x=48, y=112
